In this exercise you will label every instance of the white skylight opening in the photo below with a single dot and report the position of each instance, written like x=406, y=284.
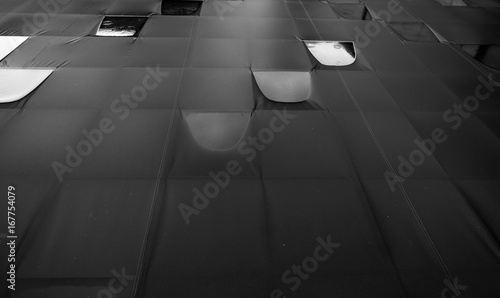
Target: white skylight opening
x=332, y=53
x=121, y=26
x=17, y=83
x=9, y=44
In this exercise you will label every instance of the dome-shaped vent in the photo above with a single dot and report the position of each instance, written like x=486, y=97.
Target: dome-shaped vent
x=284, y=86
x=217, y=131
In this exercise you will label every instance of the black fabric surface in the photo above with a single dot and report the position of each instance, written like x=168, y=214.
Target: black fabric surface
x=322, y=175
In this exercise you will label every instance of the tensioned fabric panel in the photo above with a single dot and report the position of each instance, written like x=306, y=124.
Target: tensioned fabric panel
x=125, y=133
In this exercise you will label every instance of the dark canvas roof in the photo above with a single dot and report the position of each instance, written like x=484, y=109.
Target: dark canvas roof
x=109, y=151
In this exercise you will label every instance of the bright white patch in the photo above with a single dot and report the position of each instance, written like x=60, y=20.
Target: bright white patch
x=332, y=53
x=9, y=44
x=17, y=83
x=112, y=32
x=284, y=86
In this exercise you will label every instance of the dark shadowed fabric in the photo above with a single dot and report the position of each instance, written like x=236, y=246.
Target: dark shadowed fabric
x=325, y=174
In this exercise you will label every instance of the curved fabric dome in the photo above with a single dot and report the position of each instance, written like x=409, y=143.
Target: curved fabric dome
x=332, y=53
x=217, y=131
x=17, y=83
x=284, y=86
x=9, y=44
